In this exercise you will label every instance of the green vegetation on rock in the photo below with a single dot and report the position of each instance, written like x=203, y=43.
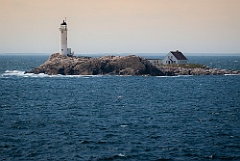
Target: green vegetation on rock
x=186, y=65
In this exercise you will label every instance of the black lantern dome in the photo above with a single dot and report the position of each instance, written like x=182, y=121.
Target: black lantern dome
x=63, y=23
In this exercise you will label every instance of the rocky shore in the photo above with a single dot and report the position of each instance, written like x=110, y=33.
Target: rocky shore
x=116, y=65
x=108, y=65
x=194, y=69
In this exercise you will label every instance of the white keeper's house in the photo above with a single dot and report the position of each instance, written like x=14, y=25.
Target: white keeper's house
x=175, y=57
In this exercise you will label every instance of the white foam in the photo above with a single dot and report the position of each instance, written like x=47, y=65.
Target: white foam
x=9, y=73
x=123, y=126
x=231, y=74
x=166, y=76
x=174, y=76
x=121, y=155
x=185, y=75
x=18, y=73
x=120, y=97
x=13, y=73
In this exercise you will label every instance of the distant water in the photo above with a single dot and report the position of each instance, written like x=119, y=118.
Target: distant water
x=118, y=117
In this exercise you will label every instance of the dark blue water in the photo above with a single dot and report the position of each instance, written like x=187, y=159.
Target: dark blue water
x=116, y=118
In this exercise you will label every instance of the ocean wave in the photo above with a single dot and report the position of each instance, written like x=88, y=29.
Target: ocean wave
x=174, y=76
x=231, y=74
x=9, y=73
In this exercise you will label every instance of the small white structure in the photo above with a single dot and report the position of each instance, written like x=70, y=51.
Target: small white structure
x=175, y=57
x=156, y=62
x=63, y=40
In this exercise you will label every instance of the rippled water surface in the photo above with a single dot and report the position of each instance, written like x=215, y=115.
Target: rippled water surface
x=118, y=117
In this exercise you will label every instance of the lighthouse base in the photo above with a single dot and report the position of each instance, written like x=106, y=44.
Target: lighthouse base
x=66, y=52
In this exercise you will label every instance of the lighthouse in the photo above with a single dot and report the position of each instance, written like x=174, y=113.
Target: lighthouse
x=63, y=40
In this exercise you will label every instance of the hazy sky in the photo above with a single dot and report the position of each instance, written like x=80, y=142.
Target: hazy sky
x=121, y=26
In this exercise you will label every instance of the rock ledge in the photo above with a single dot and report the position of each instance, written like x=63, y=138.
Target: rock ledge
x=194, y=69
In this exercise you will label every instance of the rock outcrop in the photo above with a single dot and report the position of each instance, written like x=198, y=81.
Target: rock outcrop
x=187, y=69
x=108, y=65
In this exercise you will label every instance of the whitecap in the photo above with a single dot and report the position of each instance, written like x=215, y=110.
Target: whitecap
x=174, y=76
x=120, y=97
x=167, y=76
x=13, y=73
x=231, y=74
x=121, y=155
x=18, y=73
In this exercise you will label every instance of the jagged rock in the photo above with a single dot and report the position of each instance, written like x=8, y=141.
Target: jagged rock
x=178, y=70
x=113, y=65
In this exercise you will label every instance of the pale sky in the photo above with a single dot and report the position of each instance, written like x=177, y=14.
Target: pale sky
x=121, y=26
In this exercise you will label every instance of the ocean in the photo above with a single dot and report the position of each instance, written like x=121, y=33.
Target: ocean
x=118, y=117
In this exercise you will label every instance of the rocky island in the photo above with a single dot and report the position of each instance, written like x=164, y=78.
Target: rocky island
x=66, y=64
x=117, y=65
x=107, y=65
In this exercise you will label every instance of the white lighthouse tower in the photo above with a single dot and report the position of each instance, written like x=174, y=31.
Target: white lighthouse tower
x=63, y=40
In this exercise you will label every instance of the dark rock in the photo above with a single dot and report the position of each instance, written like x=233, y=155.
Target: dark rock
x=171, y=70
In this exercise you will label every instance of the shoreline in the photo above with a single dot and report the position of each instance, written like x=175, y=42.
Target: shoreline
x=120, y=65
x=8, y=73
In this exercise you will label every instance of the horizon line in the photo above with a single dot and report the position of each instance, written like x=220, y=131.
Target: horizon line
x=123, y=53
